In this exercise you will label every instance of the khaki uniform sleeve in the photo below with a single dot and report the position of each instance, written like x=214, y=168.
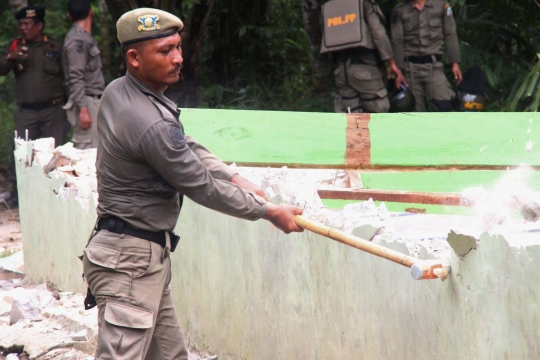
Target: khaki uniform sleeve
x=450, y=35
x=375, y=20
x=217, y=168
x=5, y=64
x=76, y=56
x=397, y=37
x=164, y=147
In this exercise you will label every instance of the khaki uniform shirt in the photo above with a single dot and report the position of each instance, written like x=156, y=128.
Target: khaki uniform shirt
x=422, y=32
x=376, y=22
x=82, y=66
x=144, y=162
x=39, y=77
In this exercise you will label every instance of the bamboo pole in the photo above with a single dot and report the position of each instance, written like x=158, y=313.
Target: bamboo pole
x=355, y=242
x=420, y=269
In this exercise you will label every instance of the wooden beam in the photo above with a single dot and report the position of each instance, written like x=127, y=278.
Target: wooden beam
x=358, y=151
x=415, y=197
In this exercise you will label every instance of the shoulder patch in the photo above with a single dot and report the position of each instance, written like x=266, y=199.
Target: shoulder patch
x=448, y=10
x=79, y=46
x=178, y=137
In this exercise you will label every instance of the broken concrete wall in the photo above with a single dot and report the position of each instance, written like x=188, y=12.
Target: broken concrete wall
x=244, y=290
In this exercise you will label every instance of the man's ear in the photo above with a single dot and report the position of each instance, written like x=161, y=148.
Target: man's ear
x=69, y=17
x=40, y=26
x=133, y=58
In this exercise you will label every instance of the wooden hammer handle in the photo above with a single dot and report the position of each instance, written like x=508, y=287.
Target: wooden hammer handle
x=355, y=242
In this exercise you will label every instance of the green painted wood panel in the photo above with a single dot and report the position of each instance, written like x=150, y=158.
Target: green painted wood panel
x=269, y=136
x=401, y=207
x=438, y=181
x=454, y=139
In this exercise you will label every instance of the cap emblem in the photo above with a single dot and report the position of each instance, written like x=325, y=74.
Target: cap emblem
x=31, y=13
x=149, y=22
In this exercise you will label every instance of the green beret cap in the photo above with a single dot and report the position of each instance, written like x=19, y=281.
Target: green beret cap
x=146, y=24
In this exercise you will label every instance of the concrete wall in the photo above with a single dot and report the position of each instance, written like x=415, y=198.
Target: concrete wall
x=244, y=290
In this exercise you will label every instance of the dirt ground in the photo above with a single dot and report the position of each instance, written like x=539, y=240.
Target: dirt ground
x=10, y=232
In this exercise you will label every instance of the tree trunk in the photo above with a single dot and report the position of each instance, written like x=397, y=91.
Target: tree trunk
x=311, y=14
x=15, y=5
x=185, y=93
x=106, y=39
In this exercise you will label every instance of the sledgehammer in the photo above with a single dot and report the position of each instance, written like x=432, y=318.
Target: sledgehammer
x=420, y=269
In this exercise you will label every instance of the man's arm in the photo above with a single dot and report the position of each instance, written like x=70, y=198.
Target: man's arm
x=397, y=37
x=7, y=60
x=451, y=41
x=219, y=169
x=376, y=23
x=164, y=147
x=76, y=64
x=374, y=19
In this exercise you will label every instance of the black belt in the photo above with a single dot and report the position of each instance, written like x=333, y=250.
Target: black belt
x=42, y=104
x=95, y=96
x=423, y=59
x=119, y=226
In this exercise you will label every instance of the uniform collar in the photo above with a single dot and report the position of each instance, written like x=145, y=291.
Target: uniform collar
x=429, y=3
x=79, y=28
x=153, y=94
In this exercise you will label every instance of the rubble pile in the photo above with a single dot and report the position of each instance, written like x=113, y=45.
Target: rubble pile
x=44, y=323
x=76, y=167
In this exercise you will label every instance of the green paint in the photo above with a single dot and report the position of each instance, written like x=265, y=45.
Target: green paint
x=438, y=181
x=401, y=207
x=454, y=139
x=269, y=137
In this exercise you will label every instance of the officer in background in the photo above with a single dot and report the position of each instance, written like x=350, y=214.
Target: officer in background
x=36, y=61
x=84, y=78
x=354, y=32
x=418, y=30
x=145, y=164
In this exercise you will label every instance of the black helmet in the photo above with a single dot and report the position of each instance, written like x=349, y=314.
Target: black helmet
x=471, y=91
x=471, y=102
x=401, y=100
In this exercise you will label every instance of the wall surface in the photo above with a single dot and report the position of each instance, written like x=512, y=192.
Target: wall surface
x=243, y=290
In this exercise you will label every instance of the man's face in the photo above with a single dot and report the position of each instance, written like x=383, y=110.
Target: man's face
x=160, y=60
x=29, y=29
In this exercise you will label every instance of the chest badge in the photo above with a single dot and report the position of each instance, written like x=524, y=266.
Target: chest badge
x=149, y=22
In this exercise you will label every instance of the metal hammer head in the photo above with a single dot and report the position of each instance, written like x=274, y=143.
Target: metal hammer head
x=430, y=269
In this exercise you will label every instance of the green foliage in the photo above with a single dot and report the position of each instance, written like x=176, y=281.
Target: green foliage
x=6, y=134
x=503, y=38
x=257, y=57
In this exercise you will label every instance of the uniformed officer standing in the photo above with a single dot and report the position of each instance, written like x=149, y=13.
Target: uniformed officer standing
x=83, y=74
x=39, y=90
x=37, y=63
x=145, y=163
x=418, y=30
x=354, y=31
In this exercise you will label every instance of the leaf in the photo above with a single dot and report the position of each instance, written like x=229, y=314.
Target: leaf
x=242, y=31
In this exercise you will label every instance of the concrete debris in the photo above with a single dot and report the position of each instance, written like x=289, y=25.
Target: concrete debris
x=12, y=262
x=496, y=207
x=462, y=244
x=80, y=336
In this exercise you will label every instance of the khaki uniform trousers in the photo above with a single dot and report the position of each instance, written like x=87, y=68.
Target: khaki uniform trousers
x=49, y=122
x=428, y=82
x=362, y=87
x=130, y=279
x=84, y=139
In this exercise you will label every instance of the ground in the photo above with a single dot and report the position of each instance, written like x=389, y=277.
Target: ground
x=49, y=335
